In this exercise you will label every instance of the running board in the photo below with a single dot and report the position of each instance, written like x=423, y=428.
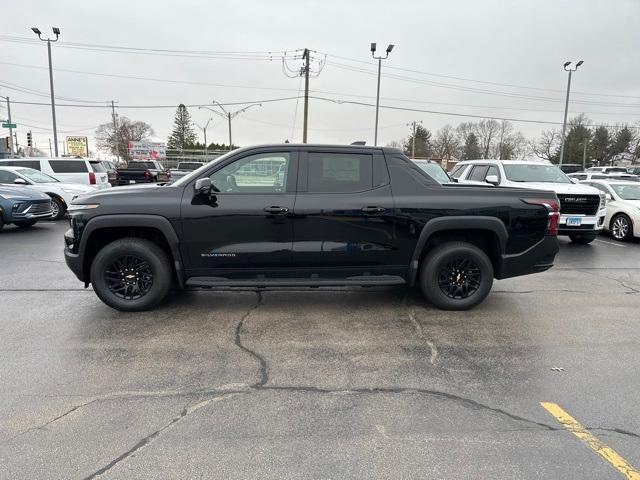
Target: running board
x=361, y=280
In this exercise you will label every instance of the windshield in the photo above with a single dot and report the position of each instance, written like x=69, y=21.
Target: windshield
x=535, y=173
x=435, y=171
x=627, y=192
x=36, y=177
x=189, y=165
x=196, y=173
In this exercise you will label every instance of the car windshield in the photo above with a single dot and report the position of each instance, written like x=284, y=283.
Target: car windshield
x=535, y=173
x=627, y=192
x=35, y=176
x=196, y=173
x=435, y=171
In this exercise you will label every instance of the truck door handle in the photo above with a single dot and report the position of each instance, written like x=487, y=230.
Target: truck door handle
x=276, y=209
x=372, y=209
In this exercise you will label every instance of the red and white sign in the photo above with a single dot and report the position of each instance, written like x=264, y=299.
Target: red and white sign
x=147, y=150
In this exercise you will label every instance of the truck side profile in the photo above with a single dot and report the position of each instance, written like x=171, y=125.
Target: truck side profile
x=309, y=215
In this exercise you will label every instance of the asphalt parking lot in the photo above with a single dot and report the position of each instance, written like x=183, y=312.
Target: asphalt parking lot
x=337, y=383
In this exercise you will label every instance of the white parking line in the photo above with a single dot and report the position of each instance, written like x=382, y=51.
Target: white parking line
x=610, y=243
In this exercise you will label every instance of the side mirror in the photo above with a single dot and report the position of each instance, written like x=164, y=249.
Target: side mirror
x=492, y=179
x=20, y=181
x=574, y=180
x=202, y=186
x=608, y=196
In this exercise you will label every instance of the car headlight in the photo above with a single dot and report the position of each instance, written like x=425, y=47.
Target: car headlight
x=603, y=200
x=86, y=206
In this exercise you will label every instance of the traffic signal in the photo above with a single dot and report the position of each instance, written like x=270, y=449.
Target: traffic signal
x=29, y=140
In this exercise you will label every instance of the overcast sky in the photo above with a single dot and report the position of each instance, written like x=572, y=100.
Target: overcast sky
x=522, y=43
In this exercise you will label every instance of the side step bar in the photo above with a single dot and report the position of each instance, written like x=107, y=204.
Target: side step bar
x=361, y=280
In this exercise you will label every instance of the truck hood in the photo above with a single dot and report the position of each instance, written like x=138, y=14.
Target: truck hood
x=568, y=188
x=117, y=192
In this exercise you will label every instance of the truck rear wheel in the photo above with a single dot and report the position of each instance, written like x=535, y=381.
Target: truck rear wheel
x=456, y=276
x=131, y=274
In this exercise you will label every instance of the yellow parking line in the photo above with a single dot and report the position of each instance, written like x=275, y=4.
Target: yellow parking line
x=610, y=455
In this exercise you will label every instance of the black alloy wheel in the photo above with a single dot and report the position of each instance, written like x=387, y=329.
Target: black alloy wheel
x=129, y=277
x=460, y=278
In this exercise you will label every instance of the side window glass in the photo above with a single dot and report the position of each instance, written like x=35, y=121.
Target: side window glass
x=7, y=177
x=478, y=173
x=339, y=172
x=457, y=171
x=260, y=173
x=493, y=170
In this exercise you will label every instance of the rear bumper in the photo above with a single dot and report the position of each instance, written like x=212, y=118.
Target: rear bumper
x=536, y=259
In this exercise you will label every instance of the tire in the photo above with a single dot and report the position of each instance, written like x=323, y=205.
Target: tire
x=59, y=209
x=621, y=227
x=125, y=258
x=26, y=223
x=582, y=238
x=448, y=293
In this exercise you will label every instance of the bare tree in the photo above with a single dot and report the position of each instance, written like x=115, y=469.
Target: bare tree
x=394, y=144
x=116, y=142
x=487, y=130
x=447, y=143
x=546, y=147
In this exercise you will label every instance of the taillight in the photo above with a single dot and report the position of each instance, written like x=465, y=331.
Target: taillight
x=92, y=178
x=147, y=174
x=553, y=207
x=168, y=173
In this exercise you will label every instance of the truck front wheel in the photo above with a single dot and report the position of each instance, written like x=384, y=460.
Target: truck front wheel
x=456, y=276
x=131, y=274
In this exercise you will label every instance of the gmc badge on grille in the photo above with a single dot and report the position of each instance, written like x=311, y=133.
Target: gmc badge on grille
x=575, y=199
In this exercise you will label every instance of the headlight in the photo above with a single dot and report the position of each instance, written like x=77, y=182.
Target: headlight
x=603, y=200
x=87, y=206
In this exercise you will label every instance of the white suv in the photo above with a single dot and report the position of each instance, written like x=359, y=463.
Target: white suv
x=582, y=208
x=68, y=170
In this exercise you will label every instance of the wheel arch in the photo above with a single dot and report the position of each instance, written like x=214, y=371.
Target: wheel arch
x=487, y=233
x=102, y=230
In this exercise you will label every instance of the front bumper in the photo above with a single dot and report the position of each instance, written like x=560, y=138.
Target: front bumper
x=73, y=260
x=537, y=258
x=587, y=223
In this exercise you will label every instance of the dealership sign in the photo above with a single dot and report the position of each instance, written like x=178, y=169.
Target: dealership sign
x=77, y=146
x=147, y=150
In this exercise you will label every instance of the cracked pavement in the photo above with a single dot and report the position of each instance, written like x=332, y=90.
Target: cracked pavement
x=323, y=383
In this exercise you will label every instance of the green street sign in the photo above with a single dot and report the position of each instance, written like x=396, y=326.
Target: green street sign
x=9, y=125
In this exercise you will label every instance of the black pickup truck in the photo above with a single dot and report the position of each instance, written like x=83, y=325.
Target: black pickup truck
x=309, y=215
x=148, y=171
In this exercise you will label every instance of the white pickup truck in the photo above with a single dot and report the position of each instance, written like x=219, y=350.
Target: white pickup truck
x=582, y=208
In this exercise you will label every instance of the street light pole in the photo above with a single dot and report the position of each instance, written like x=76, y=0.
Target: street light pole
x=204, y=132
x=229, y=115
x=413, y=138
x=567, y=68
x=56, y=31
x=379, y=58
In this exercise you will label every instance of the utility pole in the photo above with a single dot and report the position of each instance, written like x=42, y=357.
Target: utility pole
x=230, y=141
x=584, y=154
x=413, y=138
x=56, y=32
x=50, y=152
x=566, y=105
x=229, y=115
x=306, y=57
x=115, y=130
x=9, y=119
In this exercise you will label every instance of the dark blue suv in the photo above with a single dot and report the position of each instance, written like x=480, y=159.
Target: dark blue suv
x=23, y=206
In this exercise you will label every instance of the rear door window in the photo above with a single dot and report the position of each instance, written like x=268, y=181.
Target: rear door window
x=339, y=172
x=68, y=166
x=478, y=173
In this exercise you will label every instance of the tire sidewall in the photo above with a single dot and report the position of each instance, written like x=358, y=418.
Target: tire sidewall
x=144, y=249
x=442, y=254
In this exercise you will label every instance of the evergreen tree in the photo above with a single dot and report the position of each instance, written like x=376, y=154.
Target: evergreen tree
x=423, y=146
x=601, y=145
x=622, y=141
x=573, y=145
x=183, y=135
x=471, y=149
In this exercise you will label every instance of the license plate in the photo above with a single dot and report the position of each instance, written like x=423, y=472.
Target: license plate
x=133, y=181
x=574, y=221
